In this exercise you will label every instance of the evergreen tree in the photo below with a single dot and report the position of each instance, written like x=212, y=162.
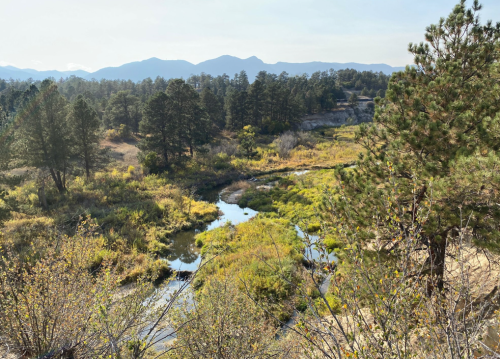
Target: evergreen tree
x=240, y=81
x=186, y=109
x=84, y=124
x=5, y=141
x=214, y=109
x=122, y=110
x=44, y=136
x=160, y=129
x=160, y=84
x=236, y=109
x=256, y=98
x=353, y=100
x=436, y=136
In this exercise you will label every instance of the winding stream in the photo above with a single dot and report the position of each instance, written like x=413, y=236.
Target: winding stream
x=185, y=256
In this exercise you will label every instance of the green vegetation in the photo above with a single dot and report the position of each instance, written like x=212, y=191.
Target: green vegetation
x=173, y=122
x=252, y=252
x=430, y=137
x=123, y=109
x=369, y=83
x=85, y=130
x=136, y=214
x=296, y=198
x=44, y=138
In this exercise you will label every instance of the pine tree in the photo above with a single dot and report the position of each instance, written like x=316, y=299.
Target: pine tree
x=256, y=98
x=122, y=109
x=44, y=139
x=84, y=124
x=436, y=136
x=160, y=129
x=214, y=109
x=193, y=120
x=5, y=141
x=236, y=109
x=353, y=100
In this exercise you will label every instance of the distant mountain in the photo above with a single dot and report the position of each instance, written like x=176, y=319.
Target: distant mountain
x=11, y=72
x=137, y=71
x=140, y=70
x=229, y=65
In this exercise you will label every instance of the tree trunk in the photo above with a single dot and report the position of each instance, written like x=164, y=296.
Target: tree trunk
x=41, y=196
x=57, y=180
x=62, y=181
x=87, y=165
x=437, y=263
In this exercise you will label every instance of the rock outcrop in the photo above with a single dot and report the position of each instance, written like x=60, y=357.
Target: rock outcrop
x=337, y=117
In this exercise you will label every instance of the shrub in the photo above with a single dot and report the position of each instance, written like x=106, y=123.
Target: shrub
x=112, y=135
x=285, y=143
x=229, y=148
x=370, y=106
x=124, y=131
x=224, y=324
x=306, y=139
x=151, y=162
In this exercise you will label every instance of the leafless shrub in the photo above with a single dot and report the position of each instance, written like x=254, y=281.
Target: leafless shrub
x=285, y=143
x=55, y=307
x=235, y=186
x=223, y=323
x=229, y=148
x=306, y=139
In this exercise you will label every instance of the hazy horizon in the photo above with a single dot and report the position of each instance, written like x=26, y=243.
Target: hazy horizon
x=65, y=70
x=58, y=35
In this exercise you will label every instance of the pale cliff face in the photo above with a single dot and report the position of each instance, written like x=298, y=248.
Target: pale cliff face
x=337, y=118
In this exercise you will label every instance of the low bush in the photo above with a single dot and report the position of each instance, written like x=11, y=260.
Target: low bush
x=252, y=251
x=285, y=143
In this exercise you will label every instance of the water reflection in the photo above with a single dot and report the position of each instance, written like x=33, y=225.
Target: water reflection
x=184, y=254
x=312, y=253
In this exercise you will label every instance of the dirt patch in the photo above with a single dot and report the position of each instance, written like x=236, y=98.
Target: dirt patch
x=232, y=197
x=232, y=194
x=124, y=152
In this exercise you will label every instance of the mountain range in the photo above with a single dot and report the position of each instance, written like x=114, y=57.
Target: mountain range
x=137, y=71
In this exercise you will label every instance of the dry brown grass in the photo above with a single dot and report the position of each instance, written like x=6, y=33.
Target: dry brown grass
x=236, y=186
x=125, y=152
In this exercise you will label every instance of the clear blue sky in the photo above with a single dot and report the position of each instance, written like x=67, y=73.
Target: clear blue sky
x=91, y=34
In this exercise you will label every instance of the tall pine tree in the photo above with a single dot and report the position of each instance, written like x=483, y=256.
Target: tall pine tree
x=84, y=124
x=436, y=136
x=44, y=139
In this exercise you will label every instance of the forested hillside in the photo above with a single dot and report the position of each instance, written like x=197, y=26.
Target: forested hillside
x=272, y=102
x=193, y=219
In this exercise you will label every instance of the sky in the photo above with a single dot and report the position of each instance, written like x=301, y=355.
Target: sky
x=92, y=34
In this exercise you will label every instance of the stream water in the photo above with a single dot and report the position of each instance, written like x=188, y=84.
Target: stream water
x=185, y=256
